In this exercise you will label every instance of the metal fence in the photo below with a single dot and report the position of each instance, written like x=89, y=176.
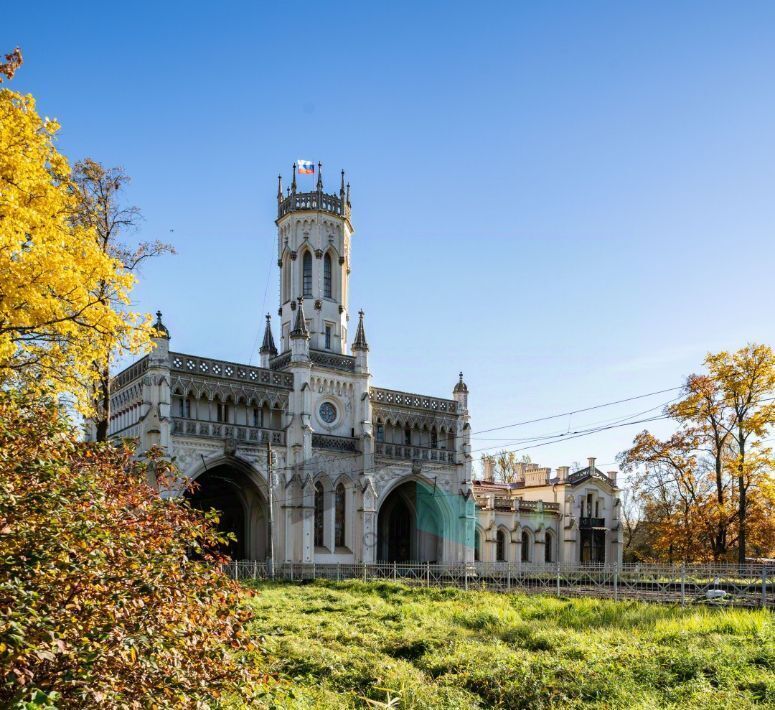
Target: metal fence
x=751, y=585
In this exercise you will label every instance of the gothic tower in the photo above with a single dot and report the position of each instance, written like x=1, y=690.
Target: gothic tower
x=313, y=248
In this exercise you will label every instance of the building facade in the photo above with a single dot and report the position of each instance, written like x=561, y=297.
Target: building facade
x=307, y=460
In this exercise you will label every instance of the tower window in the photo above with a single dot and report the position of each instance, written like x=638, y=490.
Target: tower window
x=407, y=437
x=380, y=432
x=434, y=439
x=307, y=272
x=318, y=514
x=500, y=546
x=327, y=276
x=339, y=516
x=328, y=337
x=525, y=547
x=258, y=417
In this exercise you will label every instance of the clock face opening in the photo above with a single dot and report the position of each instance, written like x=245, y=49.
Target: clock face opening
x=327, y=412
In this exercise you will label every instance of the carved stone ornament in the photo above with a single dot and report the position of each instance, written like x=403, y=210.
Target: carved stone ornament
x=293, y=255
x=280, y=311
x=341, y=309
x=319, y=253
x=318, y=305
x=293, y=305
x=279, y=263
x=341, y=260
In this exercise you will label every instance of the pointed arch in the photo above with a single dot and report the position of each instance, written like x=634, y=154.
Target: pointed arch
x=327, y=276
x=500, y=545
x=306, y=270
x=340, y=511
x=319, y=514
x=526, y=552
x=549, y=555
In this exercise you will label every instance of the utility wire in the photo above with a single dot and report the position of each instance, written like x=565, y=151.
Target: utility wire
x=578, y=411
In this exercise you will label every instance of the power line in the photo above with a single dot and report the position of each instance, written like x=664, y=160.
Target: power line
x=578, y=411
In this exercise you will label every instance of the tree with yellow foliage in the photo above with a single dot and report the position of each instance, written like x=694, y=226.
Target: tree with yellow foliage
x=707, y=490
x=101, y=210
x=58, y=289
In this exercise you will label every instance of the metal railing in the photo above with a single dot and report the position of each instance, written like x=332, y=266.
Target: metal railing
x=728, y=585
x=586, y=523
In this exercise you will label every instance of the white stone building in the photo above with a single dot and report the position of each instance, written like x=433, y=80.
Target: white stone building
x=546, y=518
x=359, y=472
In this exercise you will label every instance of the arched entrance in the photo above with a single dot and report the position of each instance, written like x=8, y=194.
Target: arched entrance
x=241, y=509
x=410, y=526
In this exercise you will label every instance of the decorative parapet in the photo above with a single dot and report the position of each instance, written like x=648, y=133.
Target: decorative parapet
x=302, y=201
x=413, y=453
x=512, y=504
x=133, y=372
x=229, y=370
x=281, y=361
x=335, y=443
x=413, y=401
x=585, y=474
x=218, y=430
x=335, y=361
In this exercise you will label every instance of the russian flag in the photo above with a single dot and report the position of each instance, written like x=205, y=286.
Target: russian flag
x=306, y=167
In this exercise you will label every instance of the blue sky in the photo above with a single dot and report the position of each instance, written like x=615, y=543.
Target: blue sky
x=571, y=202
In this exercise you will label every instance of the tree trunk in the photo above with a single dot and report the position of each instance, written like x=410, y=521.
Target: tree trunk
x=102, y=405
x=742, y=509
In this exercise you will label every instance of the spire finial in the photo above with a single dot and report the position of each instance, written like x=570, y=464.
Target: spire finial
x=300, y=326
x=160, y=328
x=268, y=345
x=341, y=189
x=293, y=182
x=460, y=386
x=320, y=176
x=360, y=335
x=279, y=188
x=348, y=194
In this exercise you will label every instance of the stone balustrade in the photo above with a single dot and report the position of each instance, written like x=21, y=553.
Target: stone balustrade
x=229, y=370
x=414, y=453
x=312, y=201
x=221, y=430
x=413, y=401
x=334, y=443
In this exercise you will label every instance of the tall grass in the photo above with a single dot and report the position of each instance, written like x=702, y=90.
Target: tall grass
x=355, y=644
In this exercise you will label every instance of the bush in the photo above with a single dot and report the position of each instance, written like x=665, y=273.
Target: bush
x=101, y=600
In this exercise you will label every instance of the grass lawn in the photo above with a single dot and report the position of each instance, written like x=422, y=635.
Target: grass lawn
x=334, y=645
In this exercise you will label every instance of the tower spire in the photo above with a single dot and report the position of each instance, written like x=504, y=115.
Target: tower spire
x=300, y=325
x=360, y=335
x=320, y=177
x=160, y=328
x=293, y=182
x=341, y=189
x=268, y=346
x=279, y=188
